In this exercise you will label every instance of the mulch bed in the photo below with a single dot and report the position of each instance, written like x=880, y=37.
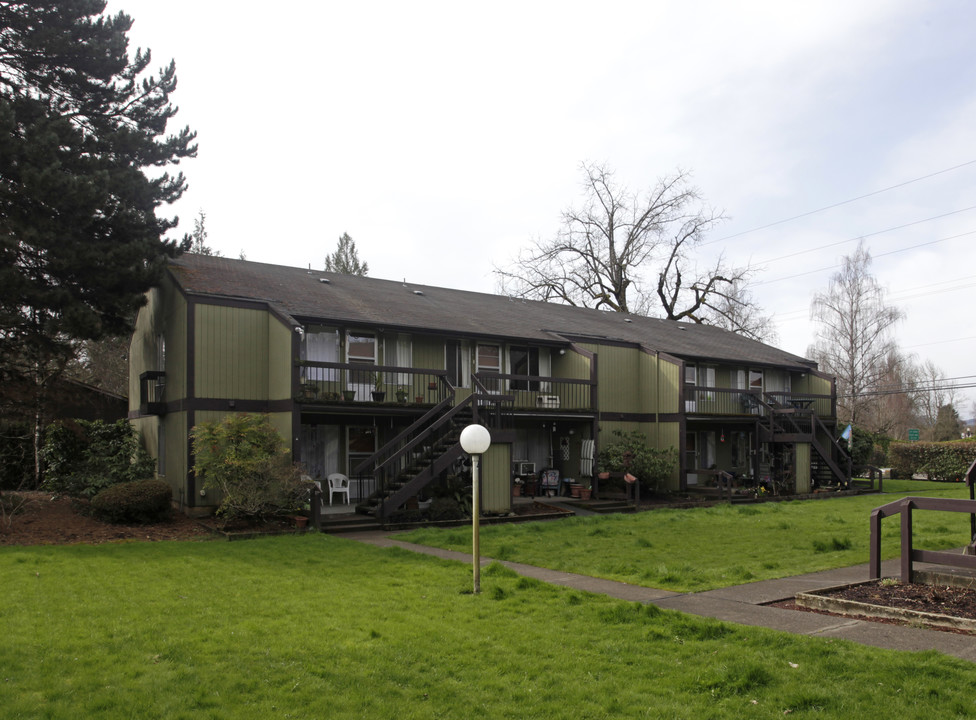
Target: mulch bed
x=939, y=599
x=45, y=520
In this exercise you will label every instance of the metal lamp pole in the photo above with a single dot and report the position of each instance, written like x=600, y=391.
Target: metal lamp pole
x=475, y=440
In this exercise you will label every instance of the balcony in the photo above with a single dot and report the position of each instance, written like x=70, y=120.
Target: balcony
x=543, y=394
x=326, y=383
x=726, y=401
x=152, y=385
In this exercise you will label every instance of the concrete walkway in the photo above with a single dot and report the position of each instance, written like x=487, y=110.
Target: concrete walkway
x=743, y=604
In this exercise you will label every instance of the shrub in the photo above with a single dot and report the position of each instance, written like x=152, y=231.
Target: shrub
x=245, y=459
x=629, y=452
x=83, y=457
x=939, y=461
x=445, y=508
x=16, y=457
x=140, y=501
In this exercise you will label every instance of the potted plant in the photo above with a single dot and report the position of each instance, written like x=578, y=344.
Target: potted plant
x=348, y=395
x=401, y=395
x=379, y=394
x=586, y=490
x=310, y=391
x=517, y=487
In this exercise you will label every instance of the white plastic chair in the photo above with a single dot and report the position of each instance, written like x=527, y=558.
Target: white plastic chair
x=338, y=483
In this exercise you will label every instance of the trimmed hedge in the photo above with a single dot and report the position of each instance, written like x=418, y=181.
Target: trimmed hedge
x=938, y=460
x=141, y=501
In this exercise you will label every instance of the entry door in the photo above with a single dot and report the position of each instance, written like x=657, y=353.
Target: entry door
x=360, y=444
x=691, y=457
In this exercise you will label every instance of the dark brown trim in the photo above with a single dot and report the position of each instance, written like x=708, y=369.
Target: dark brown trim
x=242, y=406
x=191, y=481
x=191, y=347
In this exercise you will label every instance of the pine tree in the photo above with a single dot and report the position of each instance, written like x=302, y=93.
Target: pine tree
x=80, y=123
x=345, y=259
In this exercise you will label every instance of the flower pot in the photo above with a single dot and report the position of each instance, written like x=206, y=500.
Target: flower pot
x=586, y=493
x=379, y=395
x=604, y=476
x=418, y=399
x=516, y=490
x=348, y=395
x=300, y=521
x=575, y=490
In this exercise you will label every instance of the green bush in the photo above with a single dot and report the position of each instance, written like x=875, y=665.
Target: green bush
x=937, y=460
x=16, y=457
x=83, y=457
x=245, y=459
x=445, y=508
x=629, y=452
x=140, y=501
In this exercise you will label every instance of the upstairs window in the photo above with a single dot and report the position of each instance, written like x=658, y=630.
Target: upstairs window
x=523, y=361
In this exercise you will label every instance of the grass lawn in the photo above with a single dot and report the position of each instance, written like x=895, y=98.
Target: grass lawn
x=706, y=548
x=321, y=627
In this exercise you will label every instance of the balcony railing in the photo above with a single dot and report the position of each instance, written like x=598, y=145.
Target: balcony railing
x=533, y=392
x=329, y=382
x=726, y=401
x=152, y=385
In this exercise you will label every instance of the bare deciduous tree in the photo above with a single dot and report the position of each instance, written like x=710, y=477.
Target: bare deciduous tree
x=630, y=252
x=854, y=339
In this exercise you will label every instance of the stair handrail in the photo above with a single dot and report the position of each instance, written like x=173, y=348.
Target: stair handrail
x=817, y=422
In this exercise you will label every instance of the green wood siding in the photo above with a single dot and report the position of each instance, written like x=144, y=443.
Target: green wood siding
x=281, y=359
x=496, y=479
x=164, y=314
x=231, y=357
x=802, y=467
x=619, y=378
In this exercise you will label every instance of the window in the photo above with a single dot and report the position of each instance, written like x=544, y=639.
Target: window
x=320, y=345
x=457, y=362
x=524, y=361
x=489, y=359
x=399, y=352
x=361, y=350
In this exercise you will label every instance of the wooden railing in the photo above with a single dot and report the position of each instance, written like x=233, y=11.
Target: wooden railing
x=909, y=555
x=328, y=382
x=540, y=393
x=701, y=400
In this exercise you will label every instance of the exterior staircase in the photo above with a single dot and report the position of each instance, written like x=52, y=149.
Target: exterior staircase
x=787, y=424
x=413, y=459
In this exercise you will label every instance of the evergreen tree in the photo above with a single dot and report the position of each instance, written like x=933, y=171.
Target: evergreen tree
x=80, y=243
x=947, y=426
x=345, y=259
x=198, y=238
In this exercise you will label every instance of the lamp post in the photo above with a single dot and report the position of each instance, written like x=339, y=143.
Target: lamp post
x=475, y=440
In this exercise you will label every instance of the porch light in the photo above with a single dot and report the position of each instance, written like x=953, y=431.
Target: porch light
x=475, y=440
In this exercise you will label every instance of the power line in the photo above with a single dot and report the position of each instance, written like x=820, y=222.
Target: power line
x=900, y=297
x=890, y=252
x=839, y=204
x=861, y=237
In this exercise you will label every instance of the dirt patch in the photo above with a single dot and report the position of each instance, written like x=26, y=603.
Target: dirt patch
x=44, y=520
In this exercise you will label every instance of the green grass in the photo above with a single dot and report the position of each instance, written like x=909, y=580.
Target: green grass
x=706, y=548
x=314, y=626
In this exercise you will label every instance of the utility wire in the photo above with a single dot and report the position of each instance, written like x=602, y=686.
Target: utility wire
x=890, y=252
x=839, y=204
x=861, y=237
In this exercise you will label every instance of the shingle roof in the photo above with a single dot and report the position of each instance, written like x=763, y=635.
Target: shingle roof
x=349, y=299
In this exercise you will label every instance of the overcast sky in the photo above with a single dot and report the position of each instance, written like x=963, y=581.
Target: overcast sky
x=445, y=136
